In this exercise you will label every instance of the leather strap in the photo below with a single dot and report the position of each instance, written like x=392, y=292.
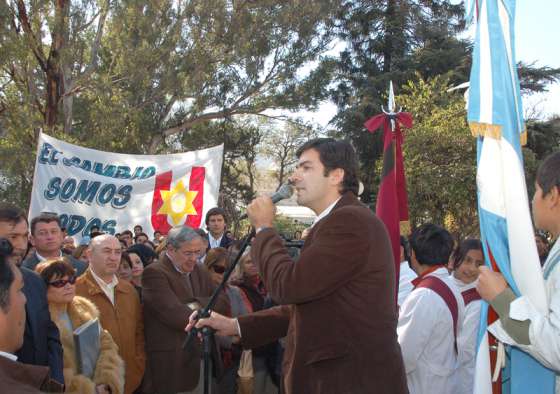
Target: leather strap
x=440, y=288
x=470, y=295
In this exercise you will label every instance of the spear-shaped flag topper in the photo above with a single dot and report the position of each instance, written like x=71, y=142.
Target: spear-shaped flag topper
x=392, y=201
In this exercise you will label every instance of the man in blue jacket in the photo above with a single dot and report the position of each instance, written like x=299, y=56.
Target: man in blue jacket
x=41, y=343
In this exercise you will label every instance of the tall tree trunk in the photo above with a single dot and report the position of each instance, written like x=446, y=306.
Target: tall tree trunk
x=67, y=99
x=55, y=79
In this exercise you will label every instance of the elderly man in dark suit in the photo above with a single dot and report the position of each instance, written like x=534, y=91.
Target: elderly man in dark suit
x=41, y=340
x=47, y=237
x=337, y=303
x=170, y=289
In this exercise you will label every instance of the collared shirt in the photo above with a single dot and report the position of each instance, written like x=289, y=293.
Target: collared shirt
x=467, y=341
x=325, y=212
x=186, y=275
x=214, y=243
x=10, y=356
x=41, y=258
x=425, y=333
x=177, y=268
x=107, y=288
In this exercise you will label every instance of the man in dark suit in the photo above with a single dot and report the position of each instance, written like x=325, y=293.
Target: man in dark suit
x=170, y=289
x=337, y=305
x=16, y=377
x=47, y=237
x=216, y=222
x=41, y=343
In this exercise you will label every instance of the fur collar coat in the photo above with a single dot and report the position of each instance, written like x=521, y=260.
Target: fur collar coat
x=110, y=367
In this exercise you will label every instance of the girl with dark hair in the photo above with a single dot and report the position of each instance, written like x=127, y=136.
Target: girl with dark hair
x=140, y=257
x=466, y=259
x=125, y=268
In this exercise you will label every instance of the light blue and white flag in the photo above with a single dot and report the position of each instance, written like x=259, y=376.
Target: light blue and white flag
x=495, y=118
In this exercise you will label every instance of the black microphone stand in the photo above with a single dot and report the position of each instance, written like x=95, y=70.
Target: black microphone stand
x=207, y=332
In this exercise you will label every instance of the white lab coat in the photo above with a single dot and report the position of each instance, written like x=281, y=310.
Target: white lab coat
x=544, y=331
x=406, y=276
x=466, y=342
x=425, y=333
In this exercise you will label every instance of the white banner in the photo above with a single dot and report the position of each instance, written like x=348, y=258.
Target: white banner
x=115, y=192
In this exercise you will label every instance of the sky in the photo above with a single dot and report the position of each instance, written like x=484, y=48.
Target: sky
x=537, y=30
x=537, y=35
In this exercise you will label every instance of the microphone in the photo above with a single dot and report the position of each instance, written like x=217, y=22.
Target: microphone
x=285, y=191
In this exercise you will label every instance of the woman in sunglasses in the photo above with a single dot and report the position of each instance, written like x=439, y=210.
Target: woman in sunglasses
x=68, y=313
x=216, y=261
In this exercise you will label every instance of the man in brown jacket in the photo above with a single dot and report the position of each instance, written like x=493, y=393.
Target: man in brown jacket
x=118, y=304
x=171, y=288
x=337, y=304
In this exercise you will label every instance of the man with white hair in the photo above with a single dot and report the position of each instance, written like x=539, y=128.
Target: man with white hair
x=171, y=290
x=118, y=303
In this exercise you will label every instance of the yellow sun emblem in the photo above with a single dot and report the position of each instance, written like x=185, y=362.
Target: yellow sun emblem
x=178, y=202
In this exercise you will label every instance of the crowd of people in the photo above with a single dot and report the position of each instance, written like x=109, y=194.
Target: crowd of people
x=333, y=319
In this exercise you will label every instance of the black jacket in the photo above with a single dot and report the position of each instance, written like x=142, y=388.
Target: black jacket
x=41, y=340
x=32, y=261
x=225, y=242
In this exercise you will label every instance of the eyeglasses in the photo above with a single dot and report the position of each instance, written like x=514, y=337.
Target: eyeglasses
x=218, y=269
x=62, y=282
x=191, y=253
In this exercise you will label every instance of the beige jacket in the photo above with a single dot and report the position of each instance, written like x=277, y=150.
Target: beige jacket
x=110, y=367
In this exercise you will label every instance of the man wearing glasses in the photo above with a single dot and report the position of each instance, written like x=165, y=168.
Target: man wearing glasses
x=171, y=289
x=118, y=303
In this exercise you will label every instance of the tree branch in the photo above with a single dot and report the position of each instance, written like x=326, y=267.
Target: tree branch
x=30, y=36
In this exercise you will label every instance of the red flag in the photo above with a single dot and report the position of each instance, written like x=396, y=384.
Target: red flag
x=160, y=221
x=392, y=200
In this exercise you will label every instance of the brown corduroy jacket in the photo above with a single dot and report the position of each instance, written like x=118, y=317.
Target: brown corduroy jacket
x=338, y=306
x=167, y=307
x=16, y=377
x=123, y=321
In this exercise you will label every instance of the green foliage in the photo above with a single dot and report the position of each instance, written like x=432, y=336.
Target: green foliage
x=543, y=138
x=154, y=77
x=390, y=40
x=287, y=226
x=280, y=144
x=440, y=158
x=534, y=79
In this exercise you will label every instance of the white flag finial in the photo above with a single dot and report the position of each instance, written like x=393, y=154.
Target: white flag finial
x=391, y=102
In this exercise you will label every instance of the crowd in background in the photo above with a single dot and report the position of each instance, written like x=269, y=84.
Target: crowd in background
x=144, y=289
x=101, y=277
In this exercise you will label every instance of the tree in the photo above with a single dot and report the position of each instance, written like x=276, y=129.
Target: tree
x=440, y=158
x=390, y=40
x=534, y=79
x=145, y=77
x=280, y=144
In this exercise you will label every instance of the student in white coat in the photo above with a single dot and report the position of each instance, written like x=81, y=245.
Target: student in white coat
x=465, y=261
x=431, y=316
x=406, y=274
x=534, y=333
